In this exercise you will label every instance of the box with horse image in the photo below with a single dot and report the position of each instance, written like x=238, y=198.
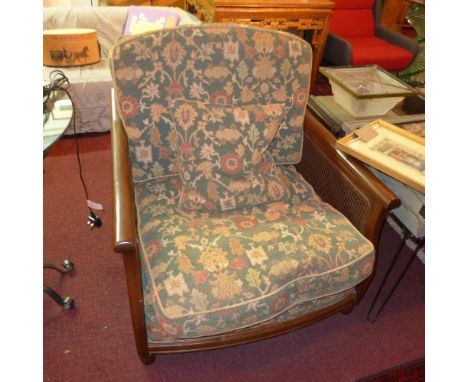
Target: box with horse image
x=70, y=47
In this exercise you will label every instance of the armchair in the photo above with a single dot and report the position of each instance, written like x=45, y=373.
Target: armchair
x=226, y=103
x=358, y=38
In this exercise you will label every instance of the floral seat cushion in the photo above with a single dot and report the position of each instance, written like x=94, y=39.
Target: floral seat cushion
x=210, y=273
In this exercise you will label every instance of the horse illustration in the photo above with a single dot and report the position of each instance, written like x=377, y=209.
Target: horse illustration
x=60, y=55
x=56, y=55
x=70, y=58
x=77, y=56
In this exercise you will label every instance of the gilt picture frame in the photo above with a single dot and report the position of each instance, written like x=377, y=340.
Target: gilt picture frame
x=389, y=149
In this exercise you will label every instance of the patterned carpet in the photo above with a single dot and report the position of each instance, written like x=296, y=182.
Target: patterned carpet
x=322, y=86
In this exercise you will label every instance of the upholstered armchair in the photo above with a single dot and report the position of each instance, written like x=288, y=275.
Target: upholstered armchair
x=224, y=242
x=358, y=38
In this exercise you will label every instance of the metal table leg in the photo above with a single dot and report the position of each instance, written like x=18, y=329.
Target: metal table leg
x=419, y=243
x=67, y=267
x=389, y=270
x=66, y=303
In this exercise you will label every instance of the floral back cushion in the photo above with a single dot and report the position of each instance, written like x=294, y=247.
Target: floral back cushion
x=224, y=162
x=217, y=63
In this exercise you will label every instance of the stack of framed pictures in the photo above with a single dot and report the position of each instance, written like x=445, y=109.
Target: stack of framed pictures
x=390, y=149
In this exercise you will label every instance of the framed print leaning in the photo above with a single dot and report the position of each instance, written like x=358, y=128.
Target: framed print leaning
x=389, y=149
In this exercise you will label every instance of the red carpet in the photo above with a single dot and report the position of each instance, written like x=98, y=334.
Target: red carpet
x=412, y=372
x=94, y=342
x=322, y=86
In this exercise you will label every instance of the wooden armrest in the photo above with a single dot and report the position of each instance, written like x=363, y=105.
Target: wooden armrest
x=344, y=182
x=124, y=230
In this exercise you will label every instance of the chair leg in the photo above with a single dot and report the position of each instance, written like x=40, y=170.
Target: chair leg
x=147, y=359
x=348, y=309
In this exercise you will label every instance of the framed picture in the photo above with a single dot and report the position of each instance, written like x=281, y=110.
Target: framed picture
x=390, y=149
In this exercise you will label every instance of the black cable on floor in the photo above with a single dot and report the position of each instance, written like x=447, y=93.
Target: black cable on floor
x=58, y=81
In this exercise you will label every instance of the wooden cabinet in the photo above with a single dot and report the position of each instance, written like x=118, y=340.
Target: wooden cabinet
x=393, y=14
x=162, y=3
x=125, y=2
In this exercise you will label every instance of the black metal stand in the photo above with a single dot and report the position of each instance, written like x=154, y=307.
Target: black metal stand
x=407, y=235
x=66, y=303
x=52, y=91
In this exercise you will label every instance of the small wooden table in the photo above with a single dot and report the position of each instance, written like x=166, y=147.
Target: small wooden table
x=303, y=15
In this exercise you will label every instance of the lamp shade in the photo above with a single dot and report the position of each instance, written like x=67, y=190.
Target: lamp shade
x=70, y=47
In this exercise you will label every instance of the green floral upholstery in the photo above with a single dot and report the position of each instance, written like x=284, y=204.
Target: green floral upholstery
x=216, y=270
x=213, y=273
x=223, y=160
x=217, y=63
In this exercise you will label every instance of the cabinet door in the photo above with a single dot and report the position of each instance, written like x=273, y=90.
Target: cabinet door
x=170, y=3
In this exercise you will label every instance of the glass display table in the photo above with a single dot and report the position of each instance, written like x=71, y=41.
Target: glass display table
x=56, y=120
x=408, y=219
x=408, y=114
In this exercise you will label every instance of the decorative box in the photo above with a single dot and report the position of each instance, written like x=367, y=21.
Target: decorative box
x=366, y=91
x=70, y=47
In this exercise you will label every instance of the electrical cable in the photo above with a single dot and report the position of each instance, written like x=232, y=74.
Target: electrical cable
x=58, y=81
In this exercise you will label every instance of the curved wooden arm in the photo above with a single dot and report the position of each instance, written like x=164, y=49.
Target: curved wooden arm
x=344, y=182
x=124, y=231
x=351, y=166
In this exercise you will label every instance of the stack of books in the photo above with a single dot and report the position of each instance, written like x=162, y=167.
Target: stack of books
x=144, y=19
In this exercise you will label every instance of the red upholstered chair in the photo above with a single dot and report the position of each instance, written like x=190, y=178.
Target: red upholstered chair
x=357, y=38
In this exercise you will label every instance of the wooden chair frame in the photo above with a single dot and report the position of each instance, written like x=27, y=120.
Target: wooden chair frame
x=353, y=178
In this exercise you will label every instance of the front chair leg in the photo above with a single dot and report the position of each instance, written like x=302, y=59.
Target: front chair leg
x=147, y=359
x=349, y=308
